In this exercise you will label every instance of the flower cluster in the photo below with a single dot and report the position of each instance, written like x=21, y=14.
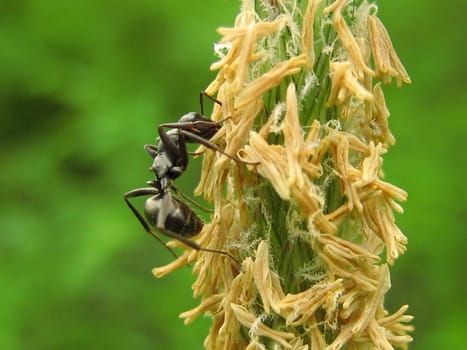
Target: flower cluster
x=309, y=215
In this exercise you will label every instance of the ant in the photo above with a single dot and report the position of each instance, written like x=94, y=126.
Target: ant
x=163, y=211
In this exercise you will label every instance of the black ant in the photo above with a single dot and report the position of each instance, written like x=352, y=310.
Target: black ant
x=163, y=211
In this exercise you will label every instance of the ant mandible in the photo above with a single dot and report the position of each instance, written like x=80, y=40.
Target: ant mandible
x=163, y=211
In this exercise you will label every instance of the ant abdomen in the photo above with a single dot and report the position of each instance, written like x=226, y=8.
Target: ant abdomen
x=179, y=217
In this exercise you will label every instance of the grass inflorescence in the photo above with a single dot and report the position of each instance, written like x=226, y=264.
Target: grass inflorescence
x=310, y=217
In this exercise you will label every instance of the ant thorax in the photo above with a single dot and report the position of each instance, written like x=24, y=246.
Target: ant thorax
x=191, y=117
x=163, y=167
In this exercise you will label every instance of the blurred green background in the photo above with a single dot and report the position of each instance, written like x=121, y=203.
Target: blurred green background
x=83, y=85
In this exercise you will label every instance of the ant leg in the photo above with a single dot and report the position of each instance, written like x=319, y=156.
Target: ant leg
x=187, y=198
x=174, y=150
x=197, y=124
x=195, y=245
x=223, y=120
x=195, y=153
x=198, y=120
x=160, y=226
x=203, y=94
x=139, y=193
x=195, y=138
x=152, y=150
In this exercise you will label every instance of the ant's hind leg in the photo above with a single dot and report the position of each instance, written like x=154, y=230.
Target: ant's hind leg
x=160, y=226
x=146, y=191
x=187, y=198
x=196, y=246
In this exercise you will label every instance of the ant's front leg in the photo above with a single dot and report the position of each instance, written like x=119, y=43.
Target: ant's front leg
x=202, y=141
x=197, y=124
x=203, y=94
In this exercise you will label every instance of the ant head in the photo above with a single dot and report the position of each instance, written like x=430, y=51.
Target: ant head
x=199, y=125
x=192, y=117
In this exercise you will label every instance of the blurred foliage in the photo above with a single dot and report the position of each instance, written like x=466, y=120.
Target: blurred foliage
x=83, y=85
